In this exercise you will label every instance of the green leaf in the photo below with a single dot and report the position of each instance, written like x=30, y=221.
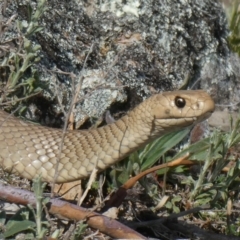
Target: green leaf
x=176, y=199
x=176, y=209
x=198, y=150
x=168, y=205
x=203, y=201
x=161, y=146
x=14, y=227
x=19, y=222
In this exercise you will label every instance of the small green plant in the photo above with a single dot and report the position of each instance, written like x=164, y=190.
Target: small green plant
x=147, y=157
x=214, y=153
x=27, y=220
x=18, y=62
x=173, y=203
x=41, y=225
x=234, y=25
x=233, y=228
x=79, y=231
x=21, y=221
x=212, y=185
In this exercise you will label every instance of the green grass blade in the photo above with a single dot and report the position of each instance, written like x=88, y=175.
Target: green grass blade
x=161, y=146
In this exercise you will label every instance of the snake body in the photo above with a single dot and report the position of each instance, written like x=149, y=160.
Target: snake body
x=29, y=149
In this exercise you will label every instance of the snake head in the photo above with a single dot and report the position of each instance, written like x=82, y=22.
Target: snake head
x=178, y=109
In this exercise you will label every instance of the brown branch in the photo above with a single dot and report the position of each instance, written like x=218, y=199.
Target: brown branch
x=63, y=209
x=177, y=162
x=117, y=197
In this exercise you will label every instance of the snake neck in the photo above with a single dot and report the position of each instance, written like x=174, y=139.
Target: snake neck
x=130, y=133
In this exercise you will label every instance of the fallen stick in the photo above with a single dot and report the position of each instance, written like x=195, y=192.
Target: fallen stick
x=70, y=211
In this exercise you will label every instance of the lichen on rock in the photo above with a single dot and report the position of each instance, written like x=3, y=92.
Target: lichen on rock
x=129, y=48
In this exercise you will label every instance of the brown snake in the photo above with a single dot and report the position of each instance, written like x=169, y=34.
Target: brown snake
x=29, y=149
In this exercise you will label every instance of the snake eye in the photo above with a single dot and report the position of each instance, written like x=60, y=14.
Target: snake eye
x=180, y=102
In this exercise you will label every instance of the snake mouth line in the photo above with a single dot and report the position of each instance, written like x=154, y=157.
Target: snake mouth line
x=184, y=122
x=194, y=118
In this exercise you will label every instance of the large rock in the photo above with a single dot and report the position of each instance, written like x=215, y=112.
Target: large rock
x=128, y=50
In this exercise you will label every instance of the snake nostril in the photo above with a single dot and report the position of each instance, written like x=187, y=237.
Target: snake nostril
x=180, y=102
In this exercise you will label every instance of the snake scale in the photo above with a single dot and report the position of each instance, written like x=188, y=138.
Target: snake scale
x=29, y=149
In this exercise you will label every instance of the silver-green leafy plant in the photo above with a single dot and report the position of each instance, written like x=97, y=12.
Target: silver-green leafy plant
x=233, y=14
x=18, y=62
